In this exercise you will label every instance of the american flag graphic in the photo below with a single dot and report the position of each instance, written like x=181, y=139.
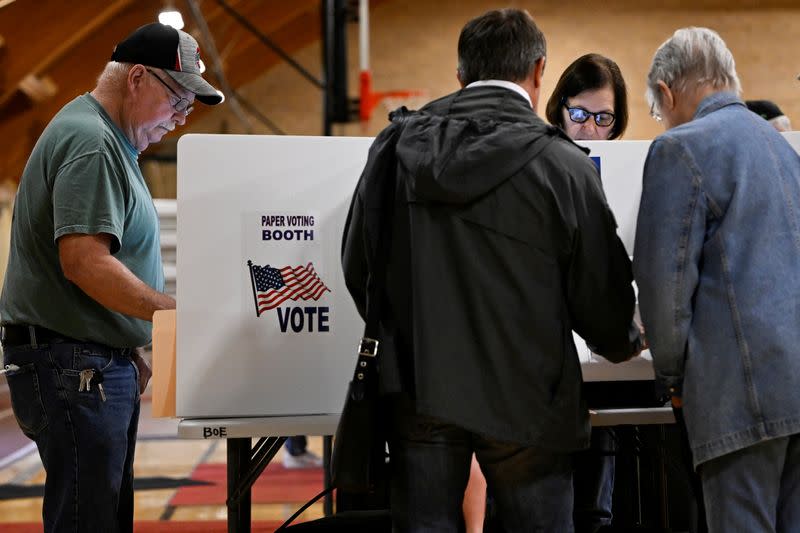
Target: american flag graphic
x=273, y=286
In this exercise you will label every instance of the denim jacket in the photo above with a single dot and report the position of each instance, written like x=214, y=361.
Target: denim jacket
x=717, y=263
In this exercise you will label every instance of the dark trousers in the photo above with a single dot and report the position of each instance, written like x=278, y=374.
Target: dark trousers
x=296, y=445
x=531, y=488
x=86, y=444
x=698, y=508
x=594, y=482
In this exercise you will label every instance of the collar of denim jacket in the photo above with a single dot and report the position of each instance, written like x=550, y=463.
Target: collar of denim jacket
x=716, y=101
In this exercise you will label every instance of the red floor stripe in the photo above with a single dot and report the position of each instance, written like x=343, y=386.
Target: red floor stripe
x=149, y=526
x=276, y=485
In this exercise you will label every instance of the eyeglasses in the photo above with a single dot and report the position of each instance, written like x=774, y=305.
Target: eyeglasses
x=581, y=115
x=654, y=113
x=183, y=105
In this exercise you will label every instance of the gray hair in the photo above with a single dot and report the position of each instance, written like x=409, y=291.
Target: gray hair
x=114, y=75
x=692, y=58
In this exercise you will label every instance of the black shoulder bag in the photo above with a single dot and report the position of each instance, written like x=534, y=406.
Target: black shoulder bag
x=358, y=457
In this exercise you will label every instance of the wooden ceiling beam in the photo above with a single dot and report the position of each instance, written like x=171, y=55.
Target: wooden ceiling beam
x=291, y=25
x=268, y=18
x=212, y=10
x=79, y=36
x=66, y=46
x=38, y=88
x=2, y=64
x=290, y=28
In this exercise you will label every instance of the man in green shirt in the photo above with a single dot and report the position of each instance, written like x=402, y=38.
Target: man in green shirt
x=85, y=276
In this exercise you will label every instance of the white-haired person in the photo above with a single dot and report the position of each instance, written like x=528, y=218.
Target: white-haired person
x=716, y=259
x=85, y=276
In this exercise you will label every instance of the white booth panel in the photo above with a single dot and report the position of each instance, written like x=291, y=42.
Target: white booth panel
x=277, y=336
x=280, y=203
x=621, y=164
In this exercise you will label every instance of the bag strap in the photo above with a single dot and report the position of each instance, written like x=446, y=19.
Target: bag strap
x=302, y=509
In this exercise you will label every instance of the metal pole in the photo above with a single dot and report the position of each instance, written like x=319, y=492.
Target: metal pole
x=327, y=449
x=238, y=464
x=363, y=34
x=328, y=22
x=271, y=45
x=250, y=108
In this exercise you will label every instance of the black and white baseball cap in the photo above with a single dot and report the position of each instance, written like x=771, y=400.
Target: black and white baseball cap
x=175, y=52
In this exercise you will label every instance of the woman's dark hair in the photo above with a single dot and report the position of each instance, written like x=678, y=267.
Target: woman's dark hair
x=590, y=72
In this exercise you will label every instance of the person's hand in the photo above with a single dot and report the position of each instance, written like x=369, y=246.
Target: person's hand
x=643, y=345
x=677, y=402
x=145, y=373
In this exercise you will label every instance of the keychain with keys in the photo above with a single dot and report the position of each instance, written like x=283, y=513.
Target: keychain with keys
x=87, y=376
x=98, y=378
x=9, y=368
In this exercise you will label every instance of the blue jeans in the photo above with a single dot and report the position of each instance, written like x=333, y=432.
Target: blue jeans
x=296, y=445
x=754, y=489
x=430, y=462
x=86, y=444
x=594, y=482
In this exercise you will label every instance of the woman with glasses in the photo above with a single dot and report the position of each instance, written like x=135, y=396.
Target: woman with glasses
x=590, y=103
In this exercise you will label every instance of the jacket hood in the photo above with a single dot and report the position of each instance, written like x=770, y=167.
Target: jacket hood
x=455, y=160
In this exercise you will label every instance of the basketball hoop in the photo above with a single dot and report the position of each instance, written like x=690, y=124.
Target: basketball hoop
x=391, y=100
x=368, y=98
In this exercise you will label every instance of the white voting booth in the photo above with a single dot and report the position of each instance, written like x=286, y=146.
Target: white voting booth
x=281, y=202
x=251, y=207
x=266, y=330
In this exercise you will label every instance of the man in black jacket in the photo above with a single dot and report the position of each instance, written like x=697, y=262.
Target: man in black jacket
x=502, y=244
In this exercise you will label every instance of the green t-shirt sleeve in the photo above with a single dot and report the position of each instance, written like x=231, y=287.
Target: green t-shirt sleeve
x=89, y=198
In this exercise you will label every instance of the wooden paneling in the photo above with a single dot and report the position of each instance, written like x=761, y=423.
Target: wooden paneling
x=413, y=46
x=70, y=42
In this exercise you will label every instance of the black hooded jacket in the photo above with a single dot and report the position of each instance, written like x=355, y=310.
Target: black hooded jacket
x=502, y=244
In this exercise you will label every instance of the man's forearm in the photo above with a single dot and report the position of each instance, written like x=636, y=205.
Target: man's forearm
x=114, y=286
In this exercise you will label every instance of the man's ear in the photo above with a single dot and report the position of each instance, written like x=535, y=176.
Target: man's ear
x=667, y=98
x=136, y=77
x=538, y=72
x=533, y=82
x=460, y=80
